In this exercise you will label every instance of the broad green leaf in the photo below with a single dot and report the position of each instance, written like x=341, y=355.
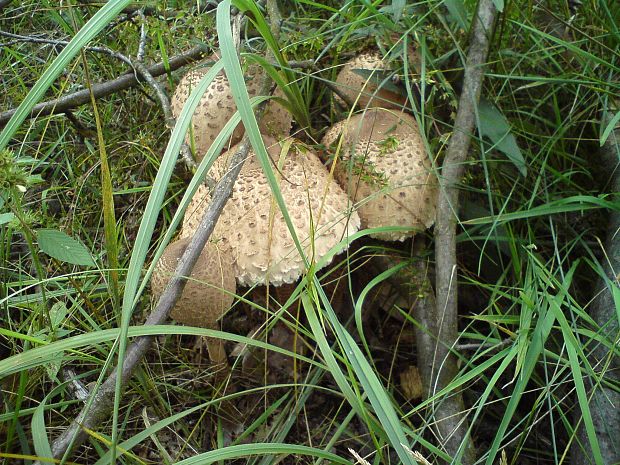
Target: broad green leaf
x=494, y=125
x=397, y=9
x=6, y=217
x=53, y=366
x=62, y=247
x=499, y=4
x=379, y=78
x=58, y=312
x=458, y=12
x=39, y=432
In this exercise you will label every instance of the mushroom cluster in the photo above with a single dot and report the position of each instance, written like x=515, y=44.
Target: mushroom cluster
x=254, y=228
x=382, y=169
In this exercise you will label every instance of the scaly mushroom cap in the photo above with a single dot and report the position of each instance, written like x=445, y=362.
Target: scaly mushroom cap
x=254, y=228
x=353, y=84
x=209, y=291
x=384, y=166
x=217, y=106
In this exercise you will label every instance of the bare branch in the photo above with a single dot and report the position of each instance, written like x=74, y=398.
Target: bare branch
x=125, y=81
x=143, y=37
x=103, y=401
x=437, y=366
x=59, y=42
x=164, y=101
x=76, y=433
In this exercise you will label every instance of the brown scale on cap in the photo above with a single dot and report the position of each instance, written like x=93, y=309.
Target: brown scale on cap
x=254, y=228
x=352, y=84
x=384, y=166
x=217, y=106
x=208, y=294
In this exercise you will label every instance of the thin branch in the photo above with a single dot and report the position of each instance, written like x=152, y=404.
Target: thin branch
x=64, y=43
x=143, y=37
x=485, y=345
x=164, y=101
x=439, y=367
x=103, y=400
x=131, y=11
x=125, y=81
x=136, y=64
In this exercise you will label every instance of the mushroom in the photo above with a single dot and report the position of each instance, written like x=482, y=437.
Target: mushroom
x=254, y=228
x=385, y=169
x=217, y=106
x=208, y=294
x=353, y=84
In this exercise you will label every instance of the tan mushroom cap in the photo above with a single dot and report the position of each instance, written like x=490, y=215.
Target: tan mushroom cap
x=384, y=166
x=217, y=106
x=208, y=294
x=254, y=228
x=353, y=84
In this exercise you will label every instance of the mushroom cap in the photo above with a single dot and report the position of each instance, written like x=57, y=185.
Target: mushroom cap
x=353, y=84
x=253, y=226
x=217, y=106
x=209, y=292
x=384, y=167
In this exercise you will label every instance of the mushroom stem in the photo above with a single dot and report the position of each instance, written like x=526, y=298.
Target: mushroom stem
x=217, y=353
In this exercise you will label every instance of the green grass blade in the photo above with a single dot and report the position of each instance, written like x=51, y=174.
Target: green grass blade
x=330, y=359
x=93, y=27
x=381, y=403
x=248, y=450
x=242, y=100
x=360, y=300
x=49, y=351
x=264, y=29
x=569, y=204
x=147, y=225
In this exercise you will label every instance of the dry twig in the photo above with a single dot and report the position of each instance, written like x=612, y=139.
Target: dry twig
x=64, y=43
x=103, y=400
x=125, y=81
